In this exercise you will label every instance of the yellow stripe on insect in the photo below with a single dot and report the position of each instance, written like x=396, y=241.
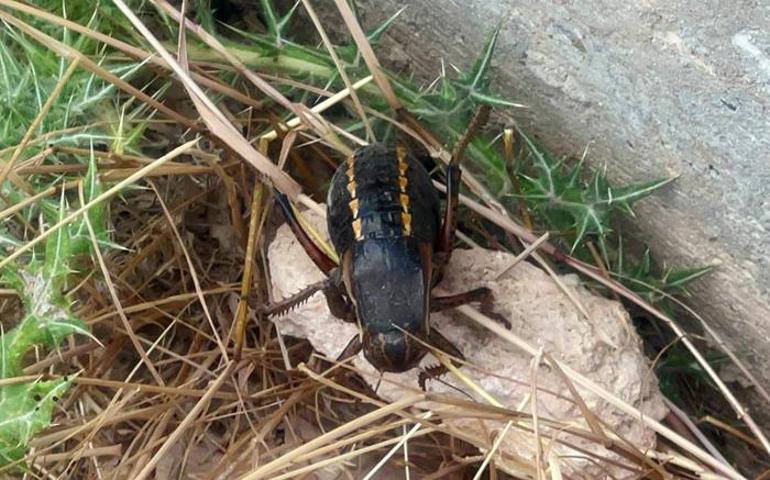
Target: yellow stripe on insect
x=406, y=219
x=351, y=176
x=354, y=207
x=353, y=204
x=357, y=229
x=401, y=156
x=403, y=183
x=404, y=200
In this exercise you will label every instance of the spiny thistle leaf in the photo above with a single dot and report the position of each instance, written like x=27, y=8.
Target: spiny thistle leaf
x=29, y=73
x=557, y=192
x=205, y=15
x=626, y=195
x=349, y=52
x=25, y=410
x=494, y=101
x=477, y=79
x=271, y=20
x=654, y=287
x=80, y=241
x=679, y=278
x=275, y=24
x=677, y=367
x=642, y=269
x=374, y=35
x=56, y=248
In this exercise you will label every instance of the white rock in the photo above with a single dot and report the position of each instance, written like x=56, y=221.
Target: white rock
x=539, y=312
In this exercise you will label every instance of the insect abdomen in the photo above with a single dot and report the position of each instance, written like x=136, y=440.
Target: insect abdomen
x=381, y=193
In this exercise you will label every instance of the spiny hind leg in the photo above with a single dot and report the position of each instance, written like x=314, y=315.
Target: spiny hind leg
x=325, y=263
x=336, y=299
x=319, y=257
x=285, y=305
x=439, y=341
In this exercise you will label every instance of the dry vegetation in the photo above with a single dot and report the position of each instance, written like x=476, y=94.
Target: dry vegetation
x=159, y=389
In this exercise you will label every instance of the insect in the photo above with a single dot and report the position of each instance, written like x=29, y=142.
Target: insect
x=385, y=222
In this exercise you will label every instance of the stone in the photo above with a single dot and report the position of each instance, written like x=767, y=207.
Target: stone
x=539, y=312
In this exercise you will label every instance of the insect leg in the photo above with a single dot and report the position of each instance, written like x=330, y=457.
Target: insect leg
x=319, y=257
x=438, y=304
x=287, y=304
x=482, y=295
x=337, y=299
x=277, y=309
x=453, y=174
x=439, y=341
x=351, y=349
x=338, y=304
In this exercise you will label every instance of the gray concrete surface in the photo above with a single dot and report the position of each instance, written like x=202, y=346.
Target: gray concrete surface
x=654, y=88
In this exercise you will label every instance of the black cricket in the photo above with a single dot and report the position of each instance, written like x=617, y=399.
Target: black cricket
x=385, y=223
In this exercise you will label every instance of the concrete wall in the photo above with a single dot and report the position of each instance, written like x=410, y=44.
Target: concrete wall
x=655, y=88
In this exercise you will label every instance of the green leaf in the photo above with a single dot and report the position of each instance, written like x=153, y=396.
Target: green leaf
x=589, y=220
x=44, y=325
x=681, y=277
x=643, y=268
x=631, y=193
x=374, y=35
x=477, y=74
x=494, y=101
x=286, y=18
x=205, y=15
x=57, y=249
x=25, y=410
x=29, y=72
x=573, y=180
x=274, y=23
x=569, y=204
x=80, y=240
x=271, y=18
x=650, y=283
x=349, y=52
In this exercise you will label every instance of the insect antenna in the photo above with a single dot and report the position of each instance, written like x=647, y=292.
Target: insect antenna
x=433, y=373
x=479, y=119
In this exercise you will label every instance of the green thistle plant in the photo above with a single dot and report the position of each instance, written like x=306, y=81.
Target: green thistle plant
x=655, y=289
x=567, y=202
x=29, y=73
x=26, y=408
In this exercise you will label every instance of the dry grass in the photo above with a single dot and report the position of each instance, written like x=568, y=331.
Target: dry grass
x=183, y=380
